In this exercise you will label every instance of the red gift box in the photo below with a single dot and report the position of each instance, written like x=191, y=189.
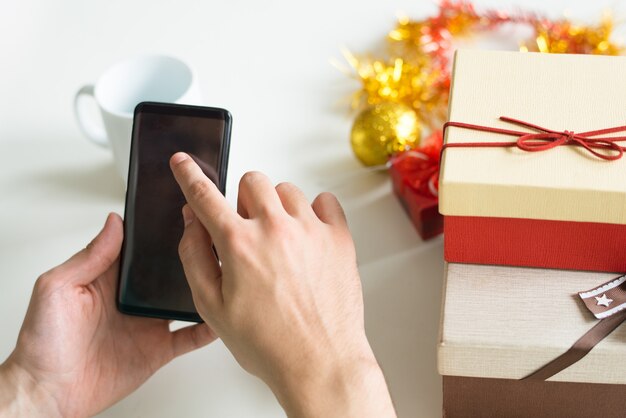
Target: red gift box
x=414, y=175
x=535, y=242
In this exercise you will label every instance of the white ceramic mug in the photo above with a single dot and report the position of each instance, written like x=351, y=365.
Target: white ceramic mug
x=155, y=78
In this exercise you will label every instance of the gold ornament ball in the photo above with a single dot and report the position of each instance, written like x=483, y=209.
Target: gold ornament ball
x=384, y=129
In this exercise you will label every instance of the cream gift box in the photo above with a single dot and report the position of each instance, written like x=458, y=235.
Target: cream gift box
x=559, y=208
x=501, y=324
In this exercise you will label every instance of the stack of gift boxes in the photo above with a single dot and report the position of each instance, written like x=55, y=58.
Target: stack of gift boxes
x=534, y=237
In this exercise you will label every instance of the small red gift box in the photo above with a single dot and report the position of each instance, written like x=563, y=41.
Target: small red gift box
x=414, y=175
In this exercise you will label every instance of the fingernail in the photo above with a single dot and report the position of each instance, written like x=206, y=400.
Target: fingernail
x=178, y=158
x=188, y=215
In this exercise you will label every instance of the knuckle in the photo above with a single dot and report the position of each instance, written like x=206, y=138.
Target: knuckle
x=312, y=228
x=185, y=168
x=90, y=246
x=46, y=281
x=287, y=187
x=185, y=249
x=94, y=252
x=289, y=240
x=327, y=197
x=227, y=221
x=104, y=258
x=252, y=177
x=198, y=190
x=279, y=225
x=230, y=232
x=269, y=212
x=238, y=245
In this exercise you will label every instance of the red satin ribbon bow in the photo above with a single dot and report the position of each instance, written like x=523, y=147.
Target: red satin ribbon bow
x=544, y=139
x=419, y=170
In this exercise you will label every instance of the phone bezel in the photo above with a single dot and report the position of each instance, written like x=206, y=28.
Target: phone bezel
x=178, y=110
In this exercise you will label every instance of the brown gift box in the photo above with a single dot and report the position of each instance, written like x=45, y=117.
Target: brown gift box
x=472, y=397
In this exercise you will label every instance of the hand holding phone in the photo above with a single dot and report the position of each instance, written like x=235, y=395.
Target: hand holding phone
x=152, y=281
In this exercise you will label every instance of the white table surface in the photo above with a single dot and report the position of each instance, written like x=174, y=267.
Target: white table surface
x=268, y=63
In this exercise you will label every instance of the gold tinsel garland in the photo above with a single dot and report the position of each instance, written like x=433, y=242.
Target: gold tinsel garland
x=404, y=96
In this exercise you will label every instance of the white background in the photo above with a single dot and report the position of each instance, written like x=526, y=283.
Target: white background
x=268, y=63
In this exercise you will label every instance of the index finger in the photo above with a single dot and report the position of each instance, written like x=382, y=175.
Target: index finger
x=209, y=205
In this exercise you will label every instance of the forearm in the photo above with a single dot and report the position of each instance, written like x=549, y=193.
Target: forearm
x=20, y=395
x=352, y=389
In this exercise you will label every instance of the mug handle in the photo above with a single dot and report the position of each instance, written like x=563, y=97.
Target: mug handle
x=91, y=129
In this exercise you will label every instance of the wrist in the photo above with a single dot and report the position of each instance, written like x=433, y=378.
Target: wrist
x=346, y=387
x=21, y=395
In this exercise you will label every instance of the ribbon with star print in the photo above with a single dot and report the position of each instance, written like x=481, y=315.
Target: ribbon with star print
x=607, y=303
x=607, y=299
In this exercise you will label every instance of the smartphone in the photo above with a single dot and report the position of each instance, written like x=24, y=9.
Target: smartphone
x=151, y=278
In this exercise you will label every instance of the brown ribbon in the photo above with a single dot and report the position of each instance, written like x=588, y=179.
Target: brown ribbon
x=606, y=302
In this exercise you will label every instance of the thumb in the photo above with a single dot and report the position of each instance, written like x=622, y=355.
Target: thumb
x=99, y=255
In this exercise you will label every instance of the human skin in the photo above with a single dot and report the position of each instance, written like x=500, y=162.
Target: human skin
x=286, y=298
x=76, y=354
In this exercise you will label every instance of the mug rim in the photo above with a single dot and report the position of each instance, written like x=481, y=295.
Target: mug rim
x=133, y=59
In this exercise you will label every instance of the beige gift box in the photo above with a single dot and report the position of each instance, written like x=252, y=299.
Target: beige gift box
x=558, y=208
x=561, y=92
x=507, y=322
x=500, y=324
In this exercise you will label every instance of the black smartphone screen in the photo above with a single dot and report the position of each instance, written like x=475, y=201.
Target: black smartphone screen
x=152, y=281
